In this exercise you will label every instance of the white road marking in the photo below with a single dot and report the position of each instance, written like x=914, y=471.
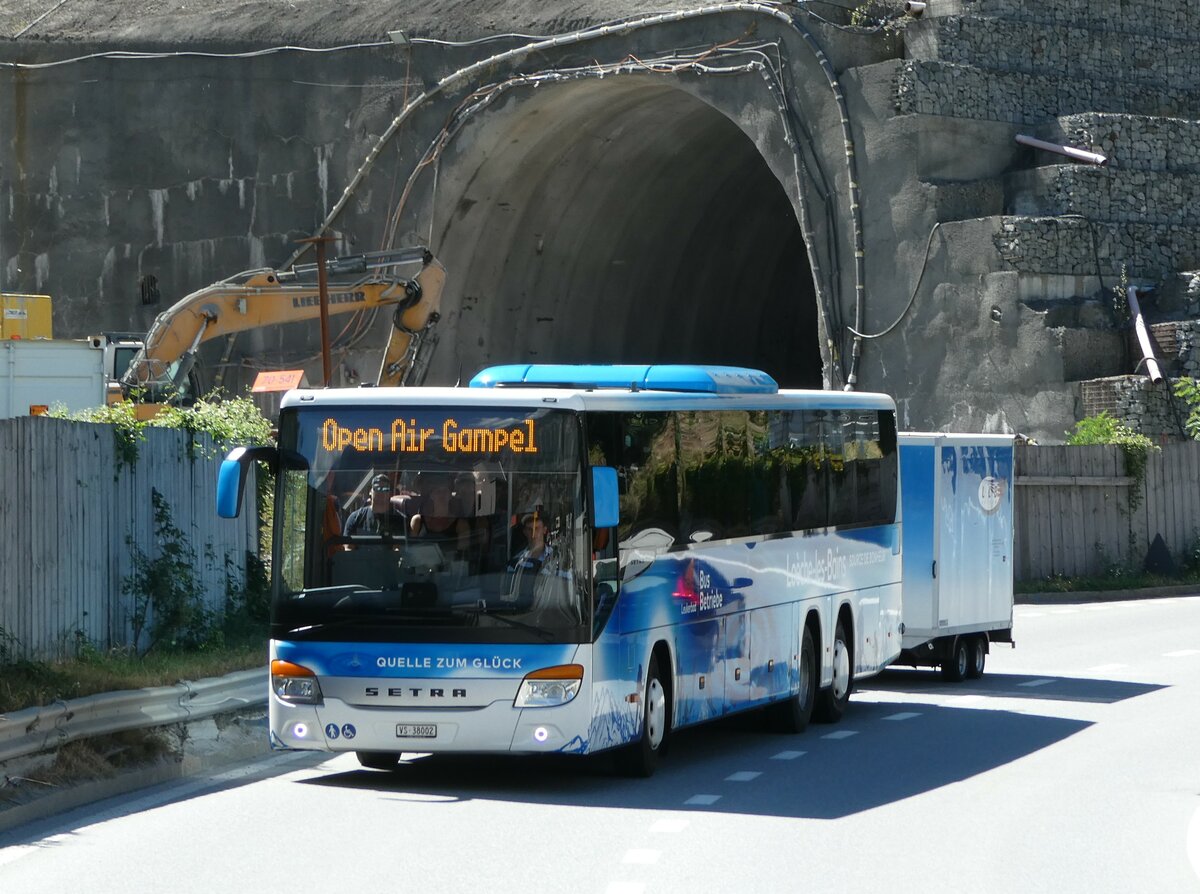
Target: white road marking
x=841, y=734
x=903, y=715
x=1105, y=668
x=641, y=856
x=1097, y=607
x=1064, y=611
x=1181, y=653
x=743, y=776
x=1193, y=842
x=1032, y=683
x=626, y=888
x=959, y=701
x=702, y=800
x=1031, y=614
x=670, y=826
x=788, y=755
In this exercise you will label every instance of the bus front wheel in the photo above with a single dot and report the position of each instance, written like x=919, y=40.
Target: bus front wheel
x=832, y=702
x=641, y=757
x=792, y=716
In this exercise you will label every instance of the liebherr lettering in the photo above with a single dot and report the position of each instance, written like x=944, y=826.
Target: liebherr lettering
x=334, y=298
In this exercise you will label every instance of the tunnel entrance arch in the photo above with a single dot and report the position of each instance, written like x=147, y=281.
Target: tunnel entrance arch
x=618, y=220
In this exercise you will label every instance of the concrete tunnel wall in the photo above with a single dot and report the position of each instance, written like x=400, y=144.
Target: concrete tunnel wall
x=616, y=221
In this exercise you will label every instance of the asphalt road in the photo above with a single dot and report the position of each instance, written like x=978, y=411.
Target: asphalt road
x=1072, y=766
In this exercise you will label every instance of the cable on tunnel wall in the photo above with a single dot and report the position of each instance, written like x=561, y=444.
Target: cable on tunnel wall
x=770, y=69
x=624, y=27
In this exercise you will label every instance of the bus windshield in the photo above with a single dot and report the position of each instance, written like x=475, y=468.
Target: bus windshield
x=426, y=524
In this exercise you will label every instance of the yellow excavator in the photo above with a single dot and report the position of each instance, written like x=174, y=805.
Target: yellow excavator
x=160, y=371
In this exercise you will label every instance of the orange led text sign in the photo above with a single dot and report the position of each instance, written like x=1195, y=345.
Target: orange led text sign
x=408, y=437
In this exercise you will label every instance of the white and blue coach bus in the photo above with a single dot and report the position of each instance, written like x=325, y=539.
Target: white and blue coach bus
x=574, y=559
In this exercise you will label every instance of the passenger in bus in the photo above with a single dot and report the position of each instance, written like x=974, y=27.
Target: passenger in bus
x=435, y=517
x=538, y=553
x=379, y=516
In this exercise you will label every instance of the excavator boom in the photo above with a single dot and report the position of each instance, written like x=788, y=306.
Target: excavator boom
x=268, y=298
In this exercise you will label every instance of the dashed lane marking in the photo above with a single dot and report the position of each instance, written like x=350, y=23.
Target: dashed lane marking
x=641, y=856
x=1181, y=653
x=1025, y=615
x=841, y=734
x=788, y=755
x=1030, y=684
x=903, y=715
x=670, y=826
x=702, y=800
x=1064, y=611
x=960, y=701
x=1193, y=842
x=743, y=776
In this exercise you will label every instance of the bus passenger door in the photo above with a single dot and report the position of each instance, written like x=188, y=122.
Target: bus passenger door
x=737, y=660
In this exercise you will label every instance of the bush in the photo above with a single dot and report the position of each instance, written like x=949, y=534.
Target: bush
x=1104, y=429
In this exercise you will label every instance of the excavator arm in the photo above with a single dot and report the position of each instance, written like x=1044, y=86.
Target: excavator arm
x=268, y=298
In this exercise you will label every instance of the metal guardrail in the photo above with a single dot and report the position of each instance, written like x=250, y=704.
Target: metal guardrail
x=34, y=730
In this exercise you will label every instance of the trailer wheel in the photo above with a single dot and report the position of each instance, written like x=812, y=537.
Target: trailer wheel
x=792, y=716
x=378, y=760
x=958, y=661
x=641, y=757
x=978, y=657
x=832, y=702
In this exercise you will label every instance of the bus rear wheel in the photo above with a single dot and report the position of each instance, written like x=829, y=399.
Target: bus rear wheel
x=792, y=716
x=832, y=702
x=641, y=758
x=378, y=760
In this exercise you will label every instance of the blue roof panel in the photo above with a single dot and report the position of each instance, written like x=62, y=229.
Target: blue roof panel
x=665, y=377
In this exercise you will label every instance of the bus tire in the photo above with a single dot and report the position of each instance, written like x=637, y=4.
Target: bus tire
x=793, y=715
x=832, y=702
x=958, y=661
x=641, y=757
x=378, y=760
x=978, y=656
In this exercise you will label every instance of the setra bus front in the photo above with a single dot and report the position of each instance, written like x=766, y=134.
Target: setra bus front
x=431, y=586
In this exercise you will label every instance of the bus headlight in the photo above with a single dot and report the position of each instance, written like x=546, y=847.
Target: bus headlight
x=549, y=686
x=294, y=683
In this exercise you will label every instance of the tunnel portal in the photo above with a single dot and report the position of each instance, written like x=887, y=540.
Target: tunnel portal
x=618, y=220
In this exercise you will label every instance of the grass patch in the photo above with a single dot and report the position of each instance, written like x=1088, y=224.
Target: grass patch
x=26, y=684
x=1125, y=581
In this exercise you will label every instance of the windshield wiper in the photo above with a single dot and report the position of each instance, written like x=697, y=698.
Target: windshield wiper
x=477, y=611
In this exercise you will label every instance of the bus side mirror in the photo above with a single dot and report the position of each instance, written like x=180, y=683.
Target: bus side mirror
x=605, y=503
x=231, y=478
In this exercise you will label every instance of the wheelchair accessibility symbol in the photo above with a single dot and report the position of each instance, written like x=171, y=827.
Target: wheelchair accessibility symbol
x=348, y=731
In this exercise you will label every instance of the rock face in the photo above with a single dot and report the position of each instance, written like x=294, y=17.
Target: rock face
x=737, y=184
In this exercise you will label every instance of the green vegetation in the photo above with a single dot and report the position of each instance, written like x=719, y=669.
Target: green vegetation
x=228, y=421
x=1188, y=390
x=1135, y=447
x=1120, y=575
x=1128, y=580
x=25, y=684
